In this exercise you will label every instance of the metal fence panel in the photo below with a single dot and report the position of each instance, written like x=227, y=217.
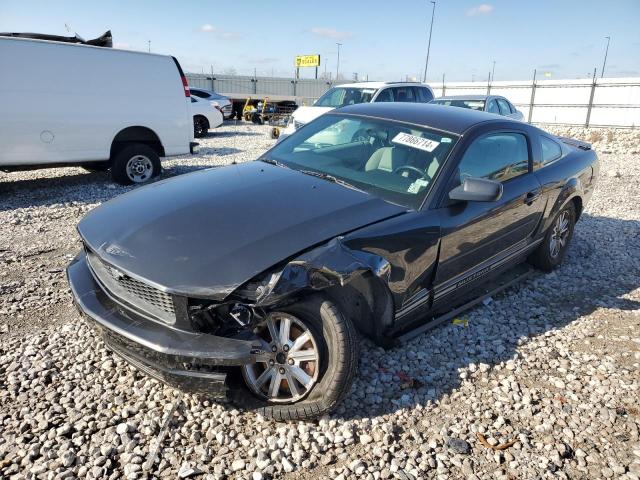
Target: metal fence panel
x=591, y=102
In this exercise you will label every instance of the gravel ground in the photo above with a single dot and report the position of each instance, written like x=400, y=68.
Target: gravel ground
x=550, y=368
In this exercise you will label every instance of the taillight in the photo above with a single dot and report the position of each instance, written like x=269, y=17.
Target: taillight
x=187, y=92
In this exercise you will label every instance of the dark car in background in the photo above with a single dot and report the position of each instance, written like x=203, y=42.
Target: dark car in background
x=485, y=103
x=371, y=220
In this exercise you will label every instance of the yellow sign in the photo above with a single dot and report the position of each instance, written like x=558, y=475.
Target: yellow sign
x=307, y=61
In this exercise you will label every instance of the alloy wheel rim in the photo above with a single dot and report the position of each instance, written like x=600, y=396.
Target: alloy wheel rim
x=139, y=168
x=288, y=369
x=559, y=234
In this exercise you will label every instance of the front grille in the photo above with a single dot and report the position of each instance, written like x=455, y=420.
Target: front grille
x=134, y=292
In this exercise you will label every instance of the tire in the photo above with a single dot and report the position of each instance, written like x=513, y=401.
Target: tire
x=200, y=126
x=544, y=257
x=97, y=167
x=136, y=163
x=334, y=338
x=274, y=133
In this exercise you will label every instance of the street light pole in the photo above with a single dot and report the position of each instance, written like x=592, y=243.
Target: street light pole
x=149, y=42
x=493, y=72
x=605, y=56
x=338, y=62
x=426, y=65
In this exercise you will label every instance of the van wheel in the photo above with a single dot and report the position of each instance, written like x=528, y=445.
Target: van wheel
x=136, y=163
x=200, y=126
x=309, y=361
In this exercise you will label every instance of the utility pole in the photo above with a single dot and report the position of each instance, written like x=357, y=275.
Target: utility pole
x=426, y=65
x=149, y=42
x=493, y=72
x=338, y=62
x=605, y=56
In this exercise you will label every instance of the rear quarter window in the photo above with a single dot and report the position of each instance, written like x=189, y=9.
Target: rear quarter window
x=424, y=95
x=551, y=150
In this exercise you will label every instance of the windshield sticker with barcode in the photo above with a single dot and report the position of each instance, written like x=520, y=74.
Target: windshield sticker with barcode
x=418, y=185
x=415, y=142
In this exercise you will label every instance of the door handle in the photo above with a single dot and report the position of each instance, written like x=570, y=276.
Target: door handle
x=532, y=196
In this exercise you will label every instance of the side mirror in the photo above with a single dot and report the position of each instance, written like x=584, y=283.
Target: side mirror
x=477, y=190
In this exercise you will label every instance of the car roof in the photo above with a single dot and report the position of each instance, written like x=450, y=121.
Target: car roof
x=466, y=97
x=380, y=84
x=453, y=120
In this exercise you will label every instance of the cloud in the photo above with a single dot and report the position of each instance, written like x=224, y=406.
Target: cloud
x=331, y=33
x=224, y=35
x=482, y=9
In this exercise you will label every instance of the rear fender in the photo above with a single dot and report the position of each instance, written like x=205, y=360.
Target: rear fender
x=571, y=190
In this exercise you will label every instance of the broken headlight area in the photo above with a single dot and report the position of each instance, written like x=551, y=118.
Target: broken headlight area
x=230, y=319
x=329, y=265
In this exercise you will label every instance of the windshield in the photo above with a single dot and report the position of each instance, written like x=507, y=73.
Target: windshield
x=341, y=96
x=460, y=102
x=391, y=160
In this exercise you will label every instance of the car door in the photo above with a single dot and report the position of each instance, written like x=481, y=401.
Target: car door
x=478, y=237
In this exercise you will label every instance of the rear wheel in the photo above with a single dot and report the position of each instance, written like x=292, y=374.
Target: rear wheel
x=200, y=126
x=309, y=361
x=553, y=248
x=137, y=163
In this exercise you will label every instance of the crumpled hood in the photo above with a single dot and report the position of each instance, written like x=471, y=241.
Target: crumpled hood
x=307, y=114
x=206, y=233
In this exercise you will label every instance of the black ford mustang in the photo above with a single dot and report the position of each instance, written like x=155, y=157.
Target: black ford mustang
x=373, y=219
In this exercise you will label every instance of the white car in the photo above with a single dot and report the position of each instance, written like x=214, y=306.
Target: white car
x=206, y=115
x=352, y=93
x=88, y=109
x=485, y=103
x=225, y=104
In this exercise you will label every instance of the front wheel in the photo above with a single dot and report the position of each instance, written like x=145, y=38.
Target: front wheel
x=309, y=361
x=554, y=246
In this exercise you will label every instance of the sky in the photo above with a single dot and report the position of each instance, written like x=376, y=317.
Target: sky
x=381, y=40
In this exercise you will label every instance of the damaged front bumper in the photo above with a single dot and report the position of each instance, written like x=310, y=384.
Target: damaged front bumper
x=191, y=361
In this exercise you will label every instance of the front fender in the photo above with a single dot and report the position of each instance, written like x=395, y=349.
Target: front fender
x=356, y=280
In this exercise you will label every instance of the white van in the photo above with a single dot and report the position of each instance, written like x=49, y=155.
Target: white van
x=103, y=108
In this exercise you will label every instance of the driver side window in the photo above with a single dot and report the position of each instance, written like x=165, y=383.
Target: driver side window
x=499, y=156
